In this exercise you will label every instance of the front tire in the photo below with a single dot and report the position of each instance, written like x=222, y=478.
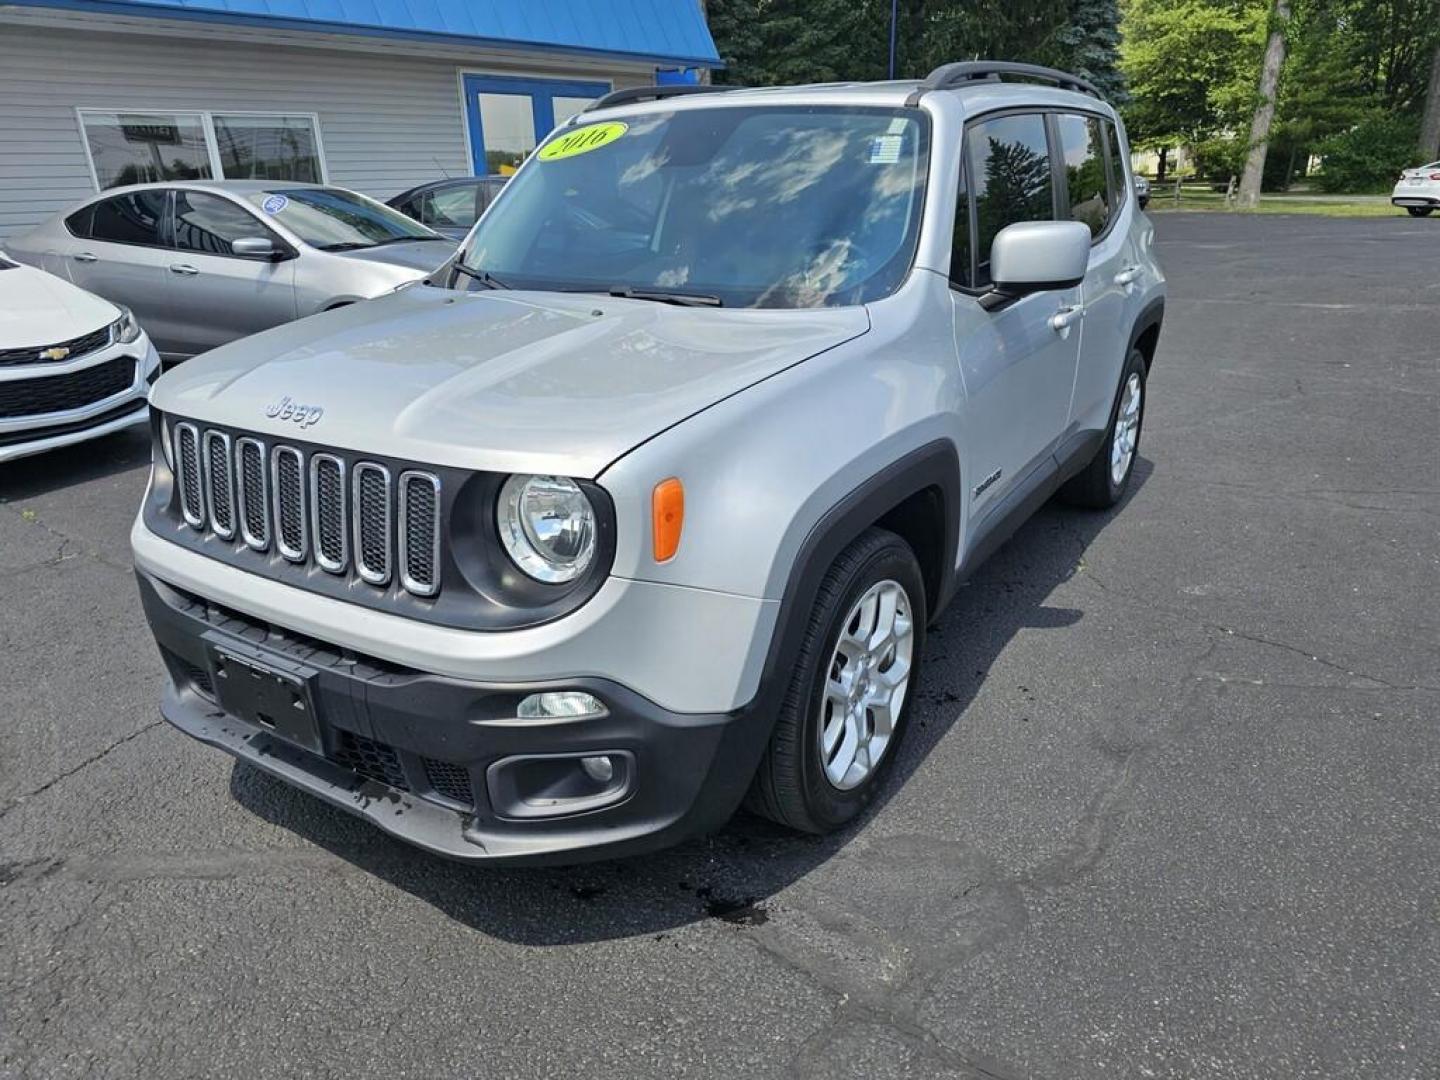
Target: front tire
x=1420, y=211
x=848, y=702
x=1104, y=481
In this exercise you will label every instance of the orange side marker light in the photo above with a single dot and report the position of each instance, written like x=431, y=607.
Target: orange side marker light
x=667, y=506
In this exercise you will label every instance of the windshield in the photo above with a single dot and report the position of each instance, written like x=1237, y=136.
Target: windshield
x=334, y=220
x=757, y=206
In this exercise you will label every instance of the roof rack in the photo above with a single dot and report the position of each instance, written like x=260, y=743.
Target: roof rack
x=633, y=94
x=954, y=76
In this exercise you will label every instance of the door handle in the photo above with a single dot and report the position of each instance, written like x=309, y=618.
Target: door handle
x=1127, y=277
x=183, y=268
x=1066, y=317
x=85, y=256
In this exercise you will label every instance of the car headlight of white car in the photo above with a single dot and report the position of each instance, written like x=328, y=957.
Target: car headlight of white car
x=125, y=330
x=547, y=526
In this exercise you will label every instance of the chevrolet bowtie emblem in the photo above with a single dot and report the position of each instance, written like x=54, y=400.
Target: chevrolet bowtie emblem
x=56, y=352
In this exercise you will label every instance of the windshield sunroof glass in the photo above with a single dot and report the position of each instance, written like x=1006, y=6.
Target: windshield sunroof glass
x=766, y=206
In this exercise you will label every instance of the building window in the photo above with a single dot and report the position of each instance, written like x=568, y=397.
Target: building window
x=141, y=148
x=146, y=147
x=267, y=147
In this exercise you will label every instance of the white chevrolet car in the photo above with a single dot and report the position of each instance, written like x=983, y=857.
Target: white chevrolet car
x=1418, y=190
x=72, y=366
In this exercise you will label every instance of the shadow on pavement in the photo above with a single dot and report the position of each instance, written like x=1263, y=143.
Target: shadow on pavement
x=95, y=459
x=731, y=874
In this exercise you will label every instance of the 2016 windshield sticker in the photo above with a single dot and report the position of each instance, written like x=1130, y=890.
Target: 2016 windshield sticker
x=582, y=140
x=274, y=204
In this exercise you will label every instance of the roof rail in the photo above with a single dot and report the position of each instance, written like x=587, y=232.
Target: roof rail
x=954, y=76
x=652, y=93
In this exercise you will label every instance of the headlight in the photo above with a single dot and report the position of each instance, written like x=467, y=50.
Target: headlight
x=124, y=330
x=547, y=526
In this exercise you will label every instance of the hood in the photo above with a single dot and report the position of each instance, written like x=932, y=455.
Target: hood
x=422, y=255
x=501, y=381
x=37, y=308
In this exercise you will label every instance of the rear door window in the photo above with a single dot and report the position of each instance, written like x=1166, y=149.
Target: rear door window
x=1087, y=179
x=133, y=218
x=211, y=224
x=1010, y=178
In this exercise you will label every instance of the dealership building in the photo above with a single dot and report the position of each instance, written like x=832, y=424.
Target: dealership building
x=374, y=95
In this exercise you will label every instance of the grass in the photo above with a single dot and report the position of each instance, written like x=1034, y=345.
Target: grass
x=1202, y=197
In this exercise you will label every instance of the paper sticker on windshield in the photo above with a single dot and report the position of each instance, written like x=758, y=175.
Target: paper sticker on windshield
x=273, y=204
x=583, y=140
x=885, y=149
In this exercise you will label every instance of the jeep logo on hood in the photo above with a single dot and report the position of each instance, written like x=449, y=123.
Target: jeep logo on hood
x=287, y=409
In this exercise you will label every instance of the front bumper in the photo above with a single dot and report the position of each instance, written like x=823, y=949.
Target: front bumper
x=21, y=436
x=433, y=759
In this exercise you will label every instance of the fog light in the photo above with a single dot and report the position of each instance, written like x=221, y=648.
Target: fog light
x=599, y=769
x=557, y=704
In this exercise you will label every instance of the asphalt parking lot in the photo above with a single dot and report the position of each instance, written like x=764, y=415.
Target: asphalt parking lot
x=1168, y=805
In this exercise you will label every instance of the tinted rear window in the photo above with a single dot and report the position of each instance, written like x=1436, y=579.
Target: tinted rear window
x=79, y=222
x=130, y=219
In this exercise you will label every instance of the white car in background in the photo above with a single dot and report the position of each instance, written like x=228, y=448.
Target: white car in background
x=1418, y=190
x=72, y=366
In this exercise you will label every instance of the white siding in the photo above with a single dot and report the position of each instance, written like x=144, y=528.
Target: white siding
x=388, y=119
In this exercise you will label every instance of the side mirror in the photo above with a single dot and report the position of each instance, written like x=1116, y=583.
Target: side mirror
x=1037, y=256
x=255, y=247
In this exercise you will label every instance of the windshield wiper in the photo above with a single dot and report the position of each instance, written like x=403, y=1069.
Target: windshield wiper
x=485, y=277
x=405, y=240
x=660, y=296
x=346, y=245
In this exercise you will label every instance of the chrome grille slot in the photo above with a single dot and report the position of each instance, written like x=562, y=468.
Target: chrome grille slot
x=287, y=479
x=219, y=483
x=420, y=532
x=187, y=465
x=374, y=525
x=253, y=488
x=329, y=523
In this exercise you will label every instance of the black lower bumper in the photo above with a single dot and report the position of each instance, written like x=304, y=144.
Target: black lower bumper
x=444, y=763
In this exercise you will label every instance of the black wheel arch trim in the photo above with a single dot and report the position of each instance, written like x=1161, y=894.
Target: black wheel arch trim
x=933, y=465
x=1152, y=317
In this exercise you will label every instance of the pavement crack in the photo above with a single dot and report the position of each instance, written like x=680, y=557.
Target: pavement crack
x=81, y=767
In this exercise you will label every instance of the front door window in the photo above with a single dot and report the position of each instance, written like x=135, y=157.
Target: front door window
x=508, y=118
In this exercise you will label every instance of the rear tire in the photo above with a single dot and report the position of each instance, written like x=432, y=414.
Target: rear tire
x=829, y=751
x=1104, y=481
x=1420, y=211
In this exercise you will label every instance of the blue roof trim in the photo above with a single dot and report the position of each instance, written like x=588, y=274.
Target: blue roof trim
x=663, y=31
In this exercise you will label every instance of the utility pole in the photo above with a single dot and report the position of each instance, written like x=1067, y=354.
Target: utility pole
x=1265, y=109
x=894, y=18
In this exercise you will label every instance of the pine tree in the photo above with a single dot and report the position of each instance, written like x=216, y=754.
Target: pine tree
x=1089, y=45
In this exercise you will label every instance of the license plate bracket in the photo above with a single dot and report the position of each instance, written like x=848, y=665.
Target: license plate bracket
x=277, y=702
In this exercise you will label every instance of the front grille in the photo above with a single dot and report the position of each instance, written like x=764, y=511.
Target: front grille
x=370, y=759
x=62, y=393
x=330, y=520
x=254, y=487
x=288, y=479
x=187, y=465
x=74, y=349
x=220, y=483
x=449, y=781
x=420, y=531
x=311, y=506
x=373, y=529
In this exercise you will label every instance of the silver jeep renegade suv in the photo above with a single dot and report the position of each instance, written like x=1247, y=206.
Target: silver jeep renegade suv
x=640, y=507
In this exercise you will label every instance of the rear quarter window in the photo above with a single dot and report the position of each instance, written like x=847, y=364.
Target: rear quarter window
x=78, y=223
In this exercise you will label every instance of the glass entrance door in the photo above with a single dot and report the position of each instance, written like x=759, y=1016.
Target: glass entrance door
x=507, y=117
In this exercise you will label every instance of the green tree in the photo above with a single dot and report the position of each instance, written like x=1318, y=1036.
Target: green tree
x=1191, y=68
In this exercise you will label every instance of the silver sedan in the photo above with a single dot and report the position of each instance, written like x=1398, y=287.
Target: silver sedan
x=202, y=263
